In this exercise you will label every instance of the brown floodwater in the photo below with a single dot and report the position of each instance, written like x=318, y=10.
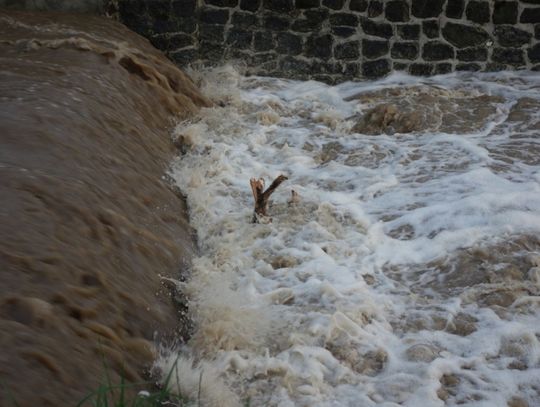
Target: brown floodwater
x=88, y=222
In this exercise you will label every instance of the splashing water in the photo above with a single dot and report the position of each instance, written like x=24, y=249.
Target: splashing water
x=406, y=272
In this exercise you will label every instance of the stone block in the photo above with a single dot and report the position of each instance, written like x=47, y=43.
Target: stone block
x=184, y=57
x=405, y=50
x=400, y=66
x=319, y=46
x=288, y=43
x=510, y=36
x=464, y=36
x=372, y=49
x=347, y=50
x=421, y=69
x=343, y=19
x=159, y=9
x=187, y=25
x=397, y=10
x=409, y=31
x=184, y=8
x=295, y=67
x=241, y=19
x=437, y=51
x=214, y=16
x=375, y=8
x=370, y=27
x=212, y=32
x=376, y=69
x=505, y=12
x=510, y=56
x=239, y=39
x=454, y=8
x=537, y=2
x=263, y=41
x=472, y=54
x=530, y=15
x=534, y=53
x=177, y=41
x=222, y=3
x=427, y=8
x=495, y=67
x=351, y=70
x=537, y=31
x=262, y=58
x=326, y=67
x=281, y=6
x=343, y=32
x=303, y=4
x=478, y=11
x=334, y=4
x=431, y=28
x=312, y=21
x=250, y=5
x=358, y=5
x=275, y=22
x=210, y=50
x=468, y=67
x=442, y=68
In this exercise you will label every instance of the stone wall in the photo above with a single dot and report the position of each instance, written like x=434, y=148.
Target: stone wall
x=335, y=40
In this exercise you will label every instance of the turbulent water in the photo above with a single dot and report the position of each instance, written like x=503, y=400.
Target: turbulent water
x=404, y=270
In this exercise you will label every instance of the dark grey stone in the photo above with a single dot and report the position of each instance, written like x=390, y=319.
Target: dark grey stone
x=263, y=41
x=358, y=5
x=375, y=8
x=177, y=41
x=509, y=36
x=376, y=29
x=347, y=50
x=454, y=8
x=508, y=56
x=397, y=10
x=334, y=4
x=427, y=8
x=323, y=78
x=211, y=50
x=437, y=51
x=279, y=5
x=159, y=9
x=263, y=57
x=376, y=69
x=472, y=54
x=183, y=8
x=372, y=49
x=214, y=16
x=537, y=31
x=343, y=19
x=303, y=4
x=250, y=5
x=275, y=22
x=288, y=43
x=184, y=57
x=343, y=32
x=468, y=67
x=505, y=12
x=537, y=2
x=222, y=3
x=495, y=67
x=463, y=36
x=185, y=25
x=443, y=68
x=351, y=70
x=536, y=68
x=319, y=46
x=431, y=28
x=239, y=39
x=312, y=22
x=212, y=32
x=530, y=15
x=478, y=11
x=534, y=53
x=295, y=67
x=404, y=50
x=400, y=66
x=242, y=19
x=326, y=67
x=409, y=31
x=421, y=69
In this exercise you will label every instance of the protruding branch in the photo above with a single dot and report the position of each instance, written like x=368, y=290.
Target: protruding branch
x=261, y=198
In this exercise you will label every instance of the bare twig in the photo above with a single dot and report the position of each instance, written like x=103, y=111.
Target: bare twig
x=261, y=198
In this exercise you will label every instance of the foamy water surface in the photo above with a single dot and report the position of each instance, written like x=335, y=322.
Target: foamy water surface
x=407, y=270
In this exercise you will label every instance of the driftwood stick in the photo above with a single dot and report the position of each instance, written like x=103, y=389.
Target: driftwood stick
x=261, y=198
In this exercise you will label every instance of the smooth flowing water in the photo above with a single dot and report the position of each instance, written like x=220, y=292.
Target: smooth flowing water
x=405, y=269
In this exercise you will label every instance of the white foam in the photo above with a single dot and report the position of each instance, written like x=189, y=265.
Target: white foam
x=318, y=308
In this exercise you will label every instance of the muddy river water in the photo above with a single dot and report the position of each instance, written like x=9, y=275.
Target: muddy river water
x=405, y=267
